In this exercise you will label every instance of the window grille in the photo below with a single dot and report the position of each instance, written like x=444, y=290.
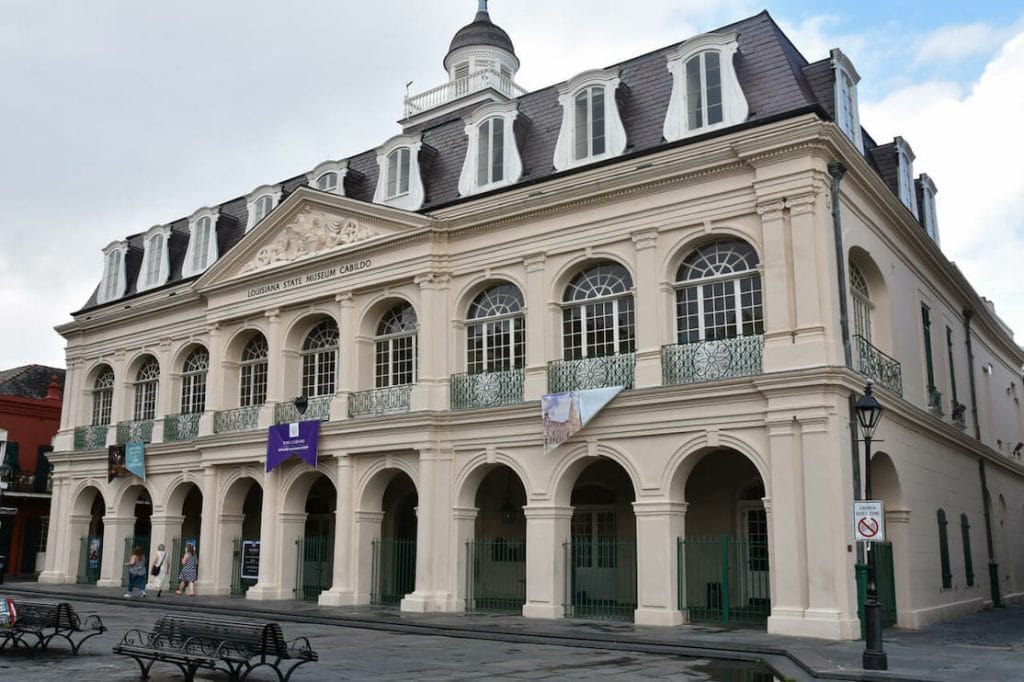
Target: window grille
x=193, y=382
x=146, y=383
x=395, y=348
x=590, y=123
x=103, y=398
x=320, y=359
x=703, y=90
x=495, y=334
x=597, y=314
x=719, y=294
x=253, y=372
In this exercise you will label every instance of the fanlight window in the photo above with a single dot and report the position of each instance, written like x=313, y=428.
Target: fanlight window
x=398, y=172
x=395, y=348
x=146, y=382
x=193, y=382
x=862, y=305
x=495, y=331
x=320, y=359
x=102, y=397
x=597, y=315
x=253, y=372
x=703, y=90
x=589, y=112
x=719, y=293
x=328, y=182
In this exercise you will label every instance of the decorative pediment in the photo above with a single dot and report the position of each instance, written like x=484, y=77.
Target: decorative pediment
x=311, y=232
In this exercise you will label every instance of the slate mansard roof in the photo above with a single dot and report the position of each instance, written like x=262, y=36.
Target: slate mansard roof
x=481, y=32
x=29, y=381
x=776, y=79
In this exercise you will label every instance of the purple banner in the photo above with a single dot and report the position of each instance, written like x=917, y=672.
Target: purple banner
x=285, y=440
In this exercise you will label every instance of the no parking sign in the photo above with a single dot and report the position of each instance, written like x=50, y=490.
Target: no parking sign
x=868, y=521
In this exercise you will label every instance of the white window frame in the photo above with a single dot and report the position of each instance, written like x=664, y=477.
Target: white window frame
x=194, y=373
x=252, y=203
x=411, y=200
x=847, y=110
x=863, y=308
x=114, y=282
x=339, y=168
x=206, y=253
x=614, y=131
x=315, y=380
x=734, y=103
x=621, y=334
x=905, y=175
x=386, y=374
x=254, y=372
x=156, y=267
x=512, y=164
x=929, y=219
x=103, y=397
x=488, y=322
x=146, y=391
x=733, y=302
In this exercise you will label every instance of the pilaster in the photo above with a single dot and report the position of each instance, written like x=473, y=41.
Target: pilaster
x=433, y=557
x=116, y=529
x=367, y=529
x=659, y=525
x=547, y=530
x=343, y=592
x=649, y=324
x=536, y=382
x=431, y=389
x=271, y=550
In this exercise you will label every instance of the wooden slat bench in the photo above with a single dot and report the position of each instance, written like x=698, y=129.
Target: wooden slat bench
x=234, y=647
x=45, y=621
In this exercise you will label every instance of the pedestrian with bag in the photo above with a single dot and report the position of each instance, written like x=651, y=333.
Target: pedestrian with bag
x=189, y=571
x=157, y=571
x=136, y=572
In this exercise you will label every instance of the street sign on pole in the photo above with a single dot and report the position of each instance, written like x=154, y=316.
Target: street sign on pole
x=868, y=521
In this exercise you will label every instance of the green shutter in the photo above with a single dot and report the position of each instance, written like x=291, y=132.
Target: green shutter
x=965, y=530
x=947, y=573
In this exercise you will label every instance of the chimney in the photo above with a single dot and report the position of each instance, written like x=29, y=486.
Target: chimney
x=53, y=390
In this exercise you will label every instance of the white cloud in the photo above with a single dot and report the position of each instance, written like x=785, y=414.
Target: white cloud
x=955, y=42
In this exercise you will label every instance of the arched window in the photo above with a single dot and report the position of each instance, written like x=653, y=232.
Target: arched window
x=718, y=293
x=490, y=165
x=597, y=314
x=862, y=305
x=193, y=382
x=253, y=372
x=495, y=336
x=320, y=359
x=703, y=90
x=102, y=397
x=589, y=122
x=146, y=382
x=328, y=182
x=395, y=348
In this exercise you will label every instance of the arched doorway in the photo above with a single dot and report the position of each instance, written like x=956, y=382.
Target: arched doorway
x=393, y=572
x=496, y=556
x=239, y=532
x=315, y=549
x=601, y=553
x=87, y=524
x=186, y=501
x=890, y=556
x=139, y=504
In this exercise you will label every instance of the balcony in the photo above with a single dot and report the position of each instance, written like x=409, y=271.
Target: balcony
x=238, y=419
x=691, y=363
x=601, y=372
x=487, y=389
x=180, y=427
x=316, y=408
x=959, y=414
x=128, y=432
x=935, y=401
x=879, y=367
x=380, y=401
x=91, y=437
x=461, y=87
x=28, y=482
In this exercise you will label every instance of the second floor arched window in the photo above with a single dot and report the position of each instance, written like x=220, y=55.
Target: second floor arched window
x=252, y=380
x=320, y=359
x=193, y=382
x=718, y=293
x=862, y=305
x=102, y=397
x=395, y=348
x=597, y=313
x=495, y=331
x=146, y=383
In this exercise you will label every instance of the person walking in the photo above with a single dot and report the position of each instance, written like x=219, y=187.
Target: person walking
x=136, y=572
x=157, y=571
x=189, y=571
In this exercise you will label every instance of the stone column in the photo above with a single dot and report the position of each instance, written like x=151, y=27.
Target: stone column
x=293, y=529
x=121, y=402
x=164, y=528
x=431, y=389
x=814, y=284
x=650, y=323
x=547, y=531
x=537, y=332
x=214, y=381
x=213, y=556
x=347, y=357
x=367, y=529
x=271, y=548
x=464, y=519
x=219, y=558
x=275, y=374
x=64, y=535
x=787, y=546
x=659, y=525
x=433, y=557
x=342, y=592
x=116, y=529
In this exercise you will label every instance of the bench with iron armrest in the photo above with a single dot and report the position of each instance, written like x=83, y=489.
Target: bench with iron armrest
x=235, y=647
x=45, y=621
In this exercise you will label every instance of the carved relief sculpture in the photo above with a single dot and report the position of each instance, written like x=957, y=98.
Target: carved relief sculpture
x=310, y=233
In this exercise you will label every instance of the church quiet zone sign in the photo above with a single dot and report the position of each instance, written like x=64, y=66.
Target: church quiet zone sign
x=868, y=521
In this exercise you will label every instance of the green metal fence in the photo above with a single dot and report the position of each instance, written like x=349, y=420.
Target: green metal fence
x=496, y=575
x=600, y=579
x=698, y=361
x=89, y=565
x=724, y=580
x=314, y=568
x=885, y=581
x=393, y=572
x=129, y=544
x=239, y=585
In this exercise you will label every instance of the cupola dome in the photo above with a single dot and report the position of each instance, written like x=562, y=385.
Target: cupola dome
x=482, y=32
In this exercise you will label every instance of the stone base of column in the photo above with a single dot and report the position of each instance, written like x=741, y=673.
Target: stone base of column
x=658, y=617
x=213, y=590
x=338, y=597
x=819, y=624
x=108, y=582
x=54, y=578
x=422, y=602
x=267, y=593
x=547, y=611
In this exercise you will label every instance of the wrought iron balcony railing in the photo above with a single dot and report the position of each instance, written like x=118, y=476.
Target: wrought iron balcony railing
x=28, y=481
x=958, y=414
x=316, y=408
x=238, y=419
x=135, y=431
x=380, y=401
x=179, y=427
x=601, y=372
x=460, y=87
x=879, y=367
x=487, y=389
x=690, y=363
x=91, y=437
x=935, y=400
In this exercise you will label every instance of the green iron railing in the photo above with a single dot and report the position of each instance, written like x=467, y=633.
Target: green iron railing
x=958, y=414
x=129, y=544
x=724, y=580
x=879, y=367
x=600, y=581
x=91, y=437
x=237, y=419
x=496, y=575
x=688, y=363
x=181, y=427
x=487, y=389
x=393, y=571
x=239, y=585
x=935, y=400
x=314, y=572
x=601, y=372
x=128, y=432
x=89, y=563
x=316, y=408
x=380, y=401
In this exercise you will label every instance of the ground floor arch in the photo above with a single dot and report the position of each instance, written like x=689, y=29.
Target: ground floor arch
x=87, y=528
x=387, y=520
x=307, y=526
x=239, y=533
x=891, y=559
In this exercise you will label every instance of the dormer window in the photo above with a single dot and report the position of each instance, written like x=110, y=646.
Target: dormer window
x=202, y=242
x=399, y=183
x=492, y=156
x=928, y=216
x=155, y=262
x=847, y=115
x=905, y=175
x=329, y=177
x=706, y=94
x=591, y=126
x=114, y=281
x=260, y=202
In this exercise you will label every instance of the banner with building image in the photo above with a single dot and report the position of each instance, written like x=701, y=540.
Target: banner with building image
x=565, y=414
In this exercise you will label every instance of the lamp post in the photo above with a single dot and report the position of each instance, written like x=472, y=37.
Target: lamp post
x=869, y=413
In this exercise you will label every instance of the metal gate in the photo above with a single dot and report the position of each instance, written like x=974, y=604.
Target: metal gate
x=129, y=544
x=724, y=580
x=314, y=569
x=393, y=572
x=600, y=579
x=90, y=557
x=239, y=585
x=496, y=575
x=885, y=581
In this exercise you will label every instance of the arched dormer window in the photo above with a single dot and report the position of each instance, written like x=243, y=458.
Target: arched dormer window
x=102, y=397
x=147, y=381
x=597, y=313
x=495, y=330
x=706, y=94
x=329, y=177
x=155, y=262
x=260, y=202
x=320, y=359
x=399, y=183
x=905, y=175
x=591, y=126
x=202, y=242
x=929, y=219
x=252, y=379
x=193, y=382
x=718, y=293
x=862, y=306
x=114, y=282
x=845, y=89
x=492, y=156
x=395, y=347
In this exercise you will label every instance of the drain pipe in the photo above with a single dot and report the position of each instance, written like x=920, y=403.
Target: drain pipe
x=968, y=316
x=993, y=565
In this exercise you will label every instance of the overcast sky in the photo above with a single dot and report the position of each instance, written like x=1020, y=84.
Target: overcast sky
x=118, y=115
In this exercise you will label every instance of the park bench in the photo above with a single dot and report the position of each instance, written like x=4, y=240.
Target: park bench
x=234, y=647
x=45, y=621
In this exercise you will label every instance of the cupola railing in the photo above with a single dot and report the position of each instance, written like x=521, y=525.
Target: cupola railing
x=460, y=87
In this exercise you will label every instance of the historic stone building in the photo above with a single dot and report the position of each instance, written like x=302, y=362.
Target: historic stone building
x=707, y=225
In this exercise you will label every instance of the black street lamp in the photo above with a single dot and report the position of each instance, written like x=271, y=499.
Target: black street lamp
x=869, y=413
